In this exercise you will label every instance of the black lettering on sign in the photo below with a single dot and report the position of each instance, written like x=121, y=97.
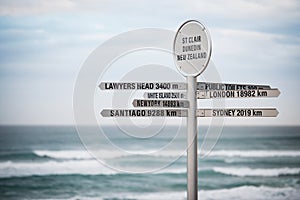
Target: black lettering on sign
x=152, y=95
x=214, y=113
x=194, y=56
x=214, y=86
x=221, y=94
x=194, y=39
x=181, y=57
x=191, y=48
x=262, y=93
x=145, y=86
x=163, y=86
x=119, y=86
x=230, y=87
x=171, y=113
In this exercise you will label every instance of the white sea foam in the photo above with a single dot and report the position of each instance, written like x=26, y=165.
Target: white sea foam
x=237, y=193
x=254, y=153
x=80, y=154
x=65, y=154
x=251, y=192
x=109, y=154
x=245, y=171
x=86, y=167
x=106, y=154
x=80, y=167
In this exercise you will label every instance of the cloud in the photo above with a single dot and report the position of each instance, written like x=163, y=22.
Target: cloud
x=236, y=10
x=31, y=7
x=37, y=7
x=245, y=9
x=43, y=44
x=267, y=47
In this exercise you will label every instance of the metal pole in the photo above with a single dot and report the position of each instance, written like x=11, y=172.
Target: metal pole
x=192, y=158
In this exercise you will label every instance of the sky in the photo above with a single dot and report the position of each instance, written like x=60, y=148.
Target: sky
x=43, y=45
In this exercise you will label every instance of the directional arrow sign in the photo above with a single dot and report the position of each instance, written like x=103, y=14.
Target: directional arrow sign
x=229, y=86
x=238, y=112
x=144, y=113
x=228, y=112
x=209, y=94
x=161, y=103
x=164, y=95
x=178, y=86
x=142, y=86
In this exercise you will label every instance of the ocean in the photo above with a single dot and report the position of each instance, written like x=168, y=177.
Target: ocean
x=50, y=162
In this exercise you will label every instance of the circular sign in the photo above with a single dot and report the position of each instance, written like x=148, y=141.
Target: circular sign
x=192, y=48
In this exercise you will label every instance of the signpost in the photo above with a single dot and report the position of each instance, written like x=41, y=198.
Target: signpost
x=192, y=50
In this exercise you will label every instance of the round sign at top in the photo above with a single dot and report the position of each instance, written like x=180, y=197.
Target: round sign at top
x=192, y=48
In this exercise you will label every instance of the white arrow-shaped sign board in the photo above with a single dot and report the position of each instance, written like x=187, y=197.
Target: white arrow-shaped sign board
x=202, y=86
x=212, y=94
x=161, y=103
x=230, y=86
x=238, y=112
x=144, y=113
x=215, y=94
x=142, y=86
x=165, y=95
x=227, y=112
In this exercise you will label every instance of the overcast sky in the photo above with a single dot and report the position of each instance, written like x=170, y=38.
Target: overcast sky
x=44, y=43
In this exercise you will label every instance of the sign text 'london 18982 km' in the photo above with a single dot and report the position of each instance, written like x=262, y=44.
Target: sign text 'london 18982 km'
x=214, y=94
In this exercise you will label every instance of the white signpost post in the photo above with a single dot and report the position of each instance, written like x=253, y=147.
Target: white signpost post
x=192, y=51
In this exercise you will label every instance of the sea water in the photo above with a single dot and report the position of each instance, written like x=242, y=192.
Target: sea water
x=50, y=162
